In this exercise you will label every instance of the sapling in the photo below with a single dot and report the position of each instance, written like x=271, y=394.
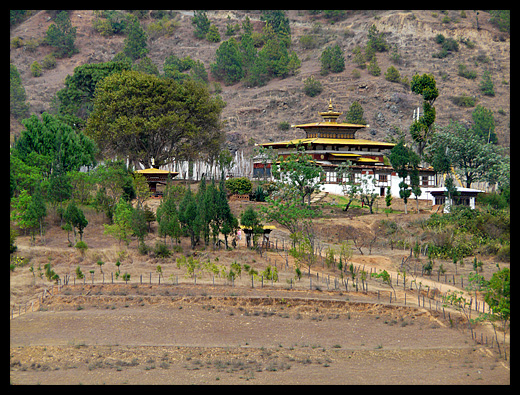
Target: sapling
x=79, y=273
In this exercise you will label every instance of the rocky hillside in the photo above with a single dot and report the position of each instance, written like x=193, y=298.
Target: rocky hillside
x=254, y=114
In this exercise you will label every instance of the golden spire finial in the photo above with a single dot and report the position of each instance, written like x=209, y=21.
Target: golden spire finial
x=330, y=115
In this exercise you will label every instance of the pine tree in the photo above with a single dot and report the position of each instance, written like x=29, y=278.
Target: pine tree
x=359, y=57
x=373, y=67
x=189, y=218
x=135, y=42
x=168, y=218
x=392, y=74
x=62, y=35
x=213, y=35
x=228, y=62
x=18, y=105
x=355, y=114
x=486, y=85
x=201, y=23
x=332, y=60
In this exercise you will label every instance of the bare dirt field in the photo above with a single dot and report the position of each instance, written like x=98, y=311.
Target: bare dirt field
x=124, y=334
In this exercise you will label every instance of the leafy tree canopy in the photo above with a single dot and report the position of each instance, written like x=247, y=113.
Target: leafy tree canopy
x=143, y=116
x=74, y=103
x=54, y=142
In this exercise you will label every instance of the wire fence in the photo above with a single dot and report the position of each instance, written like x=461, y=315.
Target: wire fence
x=358, y=284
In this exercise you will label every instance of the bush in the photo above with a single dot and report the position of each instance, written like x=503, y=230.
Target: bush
x=161, y=250
x=467, y=73
x=36, y=69
x=373, y=67
x=463, y=101
x=312, y=87
x=81, y=246
x=17, y=42
x=448, y=45
x=504, y=254
x=308, y=41
x=103, y=27
x=259, y=194
x=392, y=74
x=239, y=185
x=213, y=35
x=284, y=125
x=49, y=62
x=486, y=85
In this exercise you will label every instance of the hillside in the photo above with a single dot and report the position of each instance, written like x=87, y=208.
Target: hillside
x=253, y=114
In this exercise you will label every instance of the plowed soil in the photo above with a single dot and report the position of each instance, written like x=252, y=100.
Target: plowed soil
x=129, y=334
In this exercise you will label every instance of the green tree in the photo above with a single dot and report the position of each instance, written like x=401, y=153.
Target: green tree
x=273, y=60
x=19, y=215
x=201, y=23
x=213, y=35
x=498, y=297
x=36, y=69
x=60, y=189
x=484, y=124
x=18, y=105
x=248, y=52
x=36, y=212
x=56, y=142
x=422, y=130
x=168, y=219
x=332, y=60
x=155, y=117
x=251, y=220
x=114, y=182
x=359, y=57
x=473, y=159
x=486, y=84
x=138, y=224
x=373, y=67
x=141, y=188
x=312, y=87
x=228, y=62
x=300, y=172
x=74, y=103
x=239, y=185
x=121, y=228
x=135, y=43
x=405, y=163
x=76, y=219
x=346, y=179
x=61, y=35
x=392, y=74
x=278, y=20
x=376, y=39
x=189, y=217
x=146, y=66
x=355, y=114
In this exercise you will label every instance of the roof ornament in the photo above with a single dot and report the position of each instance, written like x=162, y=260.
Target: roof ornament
x=330, y=115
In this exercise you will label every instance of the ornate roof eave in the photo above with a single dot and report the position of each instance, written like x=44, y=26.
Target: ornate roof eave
x=328, y=141
x=330, y=125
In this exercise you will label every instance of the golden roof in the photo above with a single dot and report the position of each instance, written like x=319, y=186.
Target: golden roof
x=152, y=170
x=325, y=141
